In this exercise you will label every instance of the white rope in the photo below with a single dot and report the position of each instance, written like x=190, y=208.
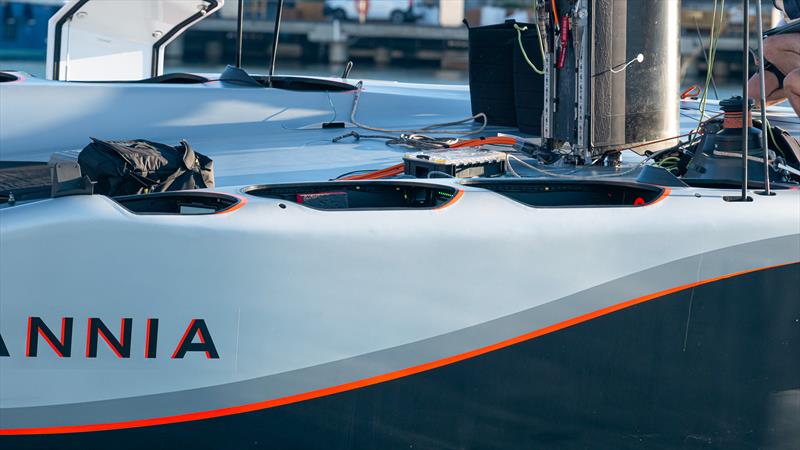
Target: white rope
x=739, y=155
x=639, y=58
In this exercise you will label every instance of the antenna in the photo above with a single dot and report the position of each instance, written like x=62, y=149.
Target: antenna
x=276, y=34
x=239, y=34
x=762, y=87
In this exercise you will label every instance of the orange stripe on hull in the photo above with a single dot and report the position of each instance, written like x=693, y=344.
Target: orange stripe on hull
x=372, y=380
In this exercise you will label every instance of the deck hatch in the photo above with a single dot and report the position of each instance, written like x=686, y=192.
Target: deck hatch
x=360, y=195
x=179, y=203
x=573, y=193
x=6, y=77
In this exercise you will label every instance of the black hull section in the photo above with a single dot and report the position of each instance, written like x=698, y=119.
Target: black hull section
x=713, y=367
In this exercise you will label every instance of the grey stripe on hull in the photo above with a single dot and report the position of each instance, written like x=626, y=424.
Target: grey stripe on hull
x=681, y=272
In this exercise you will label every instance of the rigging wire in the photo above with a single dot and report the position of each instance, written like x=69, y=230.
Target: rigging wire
x=644, y=144
x=439, y=128
x=670, y=160
x=558, y=175
x=412, y=141
x=639, y=58
x=353, y=172
x=716, y=31
x=619, y=68
x=506, y=141
x=422, y=142
x=705, y=56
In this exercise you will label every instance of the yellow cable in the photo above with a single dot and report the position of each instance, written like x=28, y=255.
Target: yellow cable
x=522, y=48
x=716, y=31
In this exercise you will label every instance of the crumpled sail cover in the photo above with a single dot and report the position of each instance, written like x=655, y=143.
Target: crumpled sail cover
x=140, y=166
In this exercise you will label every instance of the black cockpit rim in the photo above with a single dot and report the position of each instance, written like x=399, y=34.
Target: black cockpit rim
x=567, y=193
x=7, y=77
x=174, y=202
x=360, y=195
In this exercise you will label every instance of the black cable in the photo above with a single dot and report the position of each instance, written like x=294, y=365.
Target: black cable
x=276, y=35
x=416, y=142
x=353, y=172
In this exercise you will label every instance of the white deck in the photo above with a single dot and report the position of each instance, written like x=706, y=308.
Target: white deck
x=254, y=135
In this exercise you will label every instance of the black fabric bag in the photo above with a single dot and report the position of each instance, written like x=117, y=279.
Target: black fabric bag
x=501, y=84
x=528, y=85
x=491, y=73
x=140, y=166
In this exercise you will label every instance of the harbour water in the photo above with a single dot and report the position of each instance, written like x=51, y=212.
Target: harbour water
x=418, y=74
x=406, y=74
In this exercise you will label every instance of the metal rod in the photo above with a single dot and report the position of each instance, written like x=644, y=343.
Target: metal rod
x=705, y=56
x=276, y=35
x=745, y=95
x=239, y=34
x=763, y=88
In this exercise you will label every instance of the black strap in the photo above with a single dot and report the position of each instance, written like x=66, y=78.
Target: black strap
x=769, y=67
x=146, y=183
x=793, y=27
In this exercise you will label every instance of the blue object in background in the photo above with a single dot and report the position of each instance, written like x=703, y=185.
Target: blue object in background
x=23, y=29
